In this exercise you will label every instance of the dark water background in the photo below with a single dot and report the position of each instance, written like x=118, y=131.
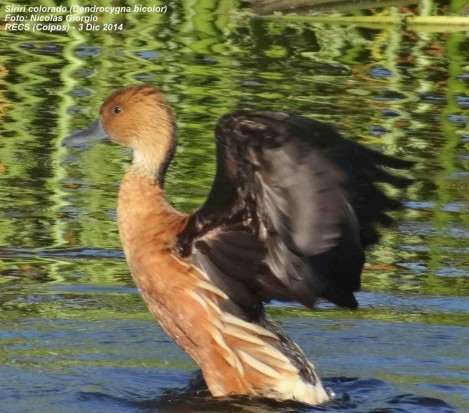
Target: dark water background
x=75, y=335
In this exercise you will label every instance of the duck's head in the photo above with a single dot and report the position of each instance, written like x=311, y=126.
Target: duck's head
x=138, y=118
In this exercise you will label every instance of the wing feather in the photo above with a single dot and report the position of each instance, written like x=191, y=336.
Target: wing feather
x=291, y=210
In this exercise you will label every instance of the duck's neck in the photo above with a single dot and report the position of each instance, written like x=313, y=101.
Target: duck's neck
x=145, y=165
x=153, y=160
x=147, y=222
x=152, y=164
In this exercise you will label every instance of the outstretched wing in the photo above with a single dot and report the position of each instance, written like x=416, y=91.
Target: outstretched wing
x=291, y=209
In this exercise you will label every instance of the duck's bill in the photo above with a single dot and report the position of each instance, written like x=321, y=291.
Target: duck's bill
x=94, y=132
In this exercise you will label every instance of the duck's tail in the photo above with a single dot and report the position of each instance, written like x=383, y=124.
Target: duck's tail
x=238, y=354
x=298, y=380
x=263, y=362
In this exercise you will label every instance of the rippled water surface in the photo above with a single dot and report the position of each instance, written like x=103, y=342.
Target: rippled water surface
x=75, y=335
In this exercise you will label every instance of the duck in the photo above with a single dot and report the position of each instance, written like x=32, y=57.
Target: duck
x=291, y=211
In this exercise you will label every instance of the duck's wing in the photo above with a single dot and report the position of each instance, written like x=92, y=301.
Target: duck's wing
x=291, y=209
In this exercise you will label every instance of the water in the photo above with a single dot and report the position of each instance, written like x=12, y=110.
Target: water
x=74, y=333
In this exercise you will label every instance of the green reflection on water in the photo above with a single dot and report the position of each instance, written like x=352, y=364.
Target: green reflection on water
x=207, y=65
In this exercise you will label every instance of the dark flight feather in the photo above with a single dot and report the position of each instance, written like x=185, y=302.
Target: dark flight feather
x=290, y=212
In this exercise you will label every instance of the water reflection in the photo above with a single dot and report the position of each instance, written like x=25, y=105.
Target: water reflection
x=75, y=335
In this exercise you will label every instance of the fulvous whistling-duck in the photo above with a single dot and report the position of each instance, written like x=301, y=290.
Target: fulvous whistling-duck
x=290, y=212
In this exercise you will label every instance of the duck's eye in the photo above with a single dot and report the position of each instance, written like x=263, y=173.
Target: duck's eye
x=116, y=110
